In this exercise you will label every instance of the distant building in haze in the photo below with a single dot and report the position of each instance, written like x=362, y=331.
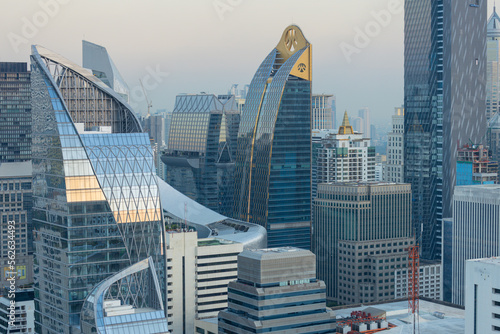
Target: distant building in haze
x=394, y=167
x=322, y=111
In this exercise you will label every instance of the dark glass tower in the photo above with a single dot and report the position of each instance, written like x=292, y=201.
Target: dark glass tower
x=445, y=76
x=273, y=159
x=15, y=112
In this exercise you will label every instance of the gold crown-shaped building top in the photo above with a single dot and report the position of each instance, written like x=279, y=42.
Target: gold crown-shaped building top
x=292, y=41
x=346, y=128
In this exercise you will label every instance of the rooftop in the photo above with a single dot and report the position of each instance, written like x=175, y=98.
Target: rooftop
x=275, y=253
x=16, y=169
x=488, y=260
x=453, y=320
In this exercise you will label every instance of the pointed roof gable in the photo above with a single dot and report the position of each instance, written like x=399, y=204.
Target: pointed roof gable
x=346, y=128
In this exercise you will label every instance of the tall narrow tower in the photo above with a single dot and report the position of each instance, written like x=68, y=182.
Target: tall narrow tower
x=273, y=162
x=445, y=79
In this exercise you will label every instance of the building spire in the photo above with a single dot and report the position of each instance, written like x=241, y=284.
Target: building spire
x=346, y=128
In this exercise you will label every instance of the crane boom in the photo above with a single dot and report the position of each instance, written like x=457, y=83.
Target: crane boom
x=150, y=105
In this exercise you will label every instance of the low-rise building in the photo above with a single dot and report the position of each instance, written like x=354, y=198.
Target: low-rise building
x=277, y=292
x=430, y=278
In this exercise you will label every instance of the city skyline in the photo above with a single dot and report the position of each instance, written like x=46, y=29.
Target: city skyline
x=193, y=30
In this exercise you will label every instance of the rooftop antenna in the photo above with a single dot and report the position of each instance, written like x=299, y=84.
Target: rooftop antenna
x=150, y=105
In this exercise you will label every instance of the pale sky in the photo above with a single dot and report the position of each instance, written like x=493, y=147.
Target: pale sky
x=207, y=45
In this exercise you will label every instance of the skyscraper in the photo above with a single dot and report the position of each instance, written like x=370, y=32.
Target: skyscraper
x=350, y=216
x=96, y=199
x=322, y=111
x=474, y=234
x=201, y=149
x=445, y=76
x=394, y=168
x=15, y=112
x=273, y=160
x=364, y=113
x=492, y=67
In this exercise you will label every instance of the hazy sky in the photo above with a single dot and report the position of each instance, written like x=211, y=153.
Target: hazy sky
x=207, y=45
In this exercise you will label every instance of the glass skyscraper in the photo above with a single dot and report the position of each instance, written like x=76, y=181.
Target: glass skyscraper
x=15, y=112
x=96, y=200
x=445, y=75
x=201, y=149
x=273, y=159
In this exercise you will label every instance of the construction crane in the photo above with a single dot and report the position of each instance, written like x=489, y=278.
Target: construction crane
x=413, y=286
x=150, y=104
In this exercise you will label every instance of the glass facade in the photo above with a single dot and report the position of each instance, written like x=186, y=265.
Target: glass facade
x=96, y=203
x=273, y=160
x=445, y=75
x=15, y=112
x=201, y=149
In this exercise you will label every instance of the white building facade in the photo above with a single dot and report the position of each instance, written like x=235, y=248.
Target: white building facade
x=24, y=308
x=198, y=273
x=482, y=296
x=345, y=156
x=475, y=230
x=394, y=166
x=322, y=111
x=430, y=275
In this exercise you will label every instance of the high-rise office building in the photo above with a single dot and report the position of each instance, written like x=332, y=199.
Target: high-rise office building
x=154, y=125
x=97, y=59
x=199, y=271
x=334, y=112
x=15, y=112
x=96, y=199
x=16, y=225
x=201, y=149
x=445, y=103
x=493, y=135
x=394, y=166
x=345, y=156
x=364, y=114
x=273, y=159
x=276, y=292
x=474, y=234
x=322, y=111
x=493, y=65
x=367, y=221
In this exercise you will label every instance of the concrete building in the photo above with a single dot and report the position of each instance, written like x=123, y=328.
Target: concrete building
x=366, y=215
x=475, y=231
x=430, y=278
x=276, y=292
x=394, y=167
x=154, y=125
x=206, y=326
x=16, y=221
x=198, y=272
x=322, y=111
x=475, y=166
x=24, y=308
x=345, y=157
x=366, y=269
x=482, y=295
